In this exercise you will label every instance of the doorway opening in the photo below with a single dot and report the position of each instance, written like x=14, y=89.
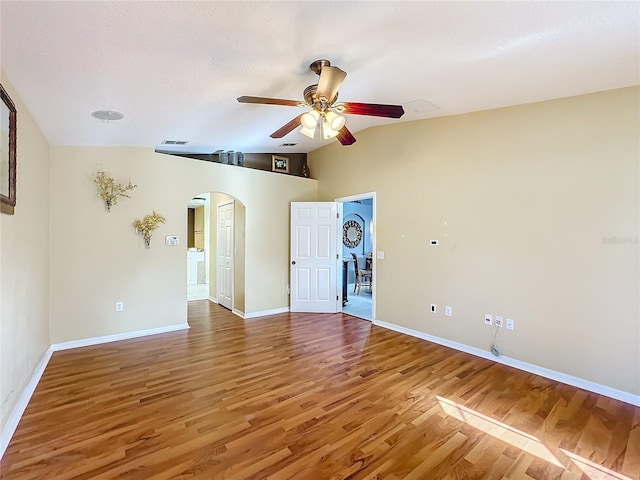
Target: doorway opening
x=357, y=240
x=198, y=247
x=218, y=278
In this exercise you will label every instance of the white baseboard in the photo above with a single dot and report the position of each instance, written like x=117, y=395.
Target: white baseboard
x=263, y=313
x=16, y=414
x=12, y=423
x=520, y=365
x=253, y=314
x=233, y=310
x=118, y=336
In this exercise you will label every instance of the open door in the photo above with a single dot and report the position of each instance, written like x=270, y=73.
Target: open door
x=314, y=257
x=225, y=247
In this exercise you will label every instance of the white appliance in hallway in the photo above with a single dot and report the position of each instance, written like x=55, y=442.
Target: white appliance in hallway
x=195, y=266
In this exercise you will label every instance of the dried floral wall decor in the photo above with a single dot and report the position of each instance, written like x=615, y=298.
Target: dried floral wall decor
x=147, y=225
x=110, y=191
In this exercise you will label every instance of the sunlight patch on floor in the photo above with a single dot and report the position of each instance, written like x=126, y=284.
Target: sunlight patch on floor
x=593, y=470
x=510, y=435
x=524, y=441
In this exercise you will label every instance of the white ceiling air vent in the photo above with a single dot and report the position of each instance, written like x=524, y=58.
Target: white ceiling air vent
x=175, y=142
x=419, y=106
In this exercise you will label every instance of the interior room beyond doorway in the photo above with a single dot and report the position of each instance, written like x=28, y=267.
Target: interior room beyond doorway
x=357, y=256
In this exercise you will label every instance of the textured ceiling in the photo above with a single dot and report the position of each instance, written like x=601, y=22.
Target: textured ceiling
x=175, y=69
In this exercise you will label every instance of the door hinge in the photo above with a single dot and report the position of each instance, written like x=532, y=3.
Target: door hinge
x=337, y=214
x=337, y=298
x=337, y=257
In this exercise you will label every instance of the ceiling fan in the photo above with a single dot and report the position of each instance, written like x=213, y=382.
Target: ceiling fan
x=326, y=112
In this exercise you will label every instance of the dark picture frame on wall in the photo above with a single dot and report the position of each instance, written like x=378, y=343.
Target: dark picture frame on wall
x=279, y=164
x=8, y=127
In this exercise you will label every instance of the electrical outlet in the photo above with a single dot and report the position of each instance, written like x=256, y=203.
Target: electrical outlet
x=433, y=308
x=511, y=324
x=119, y=306
x=488, y=319
x=498, y=322
x=447, y=311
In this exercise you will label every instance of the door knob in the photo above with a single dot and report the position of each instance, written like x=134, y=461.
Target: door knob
x=293, y=262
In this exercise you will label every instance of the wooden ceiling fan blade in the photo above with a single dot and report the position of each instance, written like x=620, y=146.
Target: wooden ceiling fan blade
x=287, y=127
x=331, y=79
x=373, y=109
x=269, y=101
x=345, y=137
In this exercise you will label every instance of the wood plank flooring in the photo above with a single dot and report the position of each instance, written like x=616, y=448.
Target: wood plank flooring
x=304, y=396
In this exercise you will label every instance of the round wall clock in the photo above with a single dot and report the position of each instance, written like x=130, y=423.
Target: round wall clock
x=351, y=234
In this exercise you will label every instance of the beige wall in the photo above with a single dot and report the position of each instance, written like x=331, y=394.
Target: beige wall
x=24, y=260
x=536, y=208
x=97, y=259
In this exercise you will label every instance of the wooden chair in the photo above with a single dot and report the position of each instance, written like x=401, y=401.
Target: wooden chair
x=361, y=276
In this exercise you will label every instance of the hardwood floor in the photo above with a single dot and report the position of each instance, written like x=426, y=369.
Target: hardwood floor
x=304, y=396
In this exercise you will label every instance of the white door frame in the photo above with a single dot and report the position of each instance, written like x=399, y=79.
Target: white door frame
x=353, y=198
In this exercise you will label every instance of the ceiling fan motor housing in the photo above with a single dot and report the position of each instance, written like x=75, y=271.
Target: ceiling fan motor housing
x=310, y=94
x=321, y=105
x=317, y=66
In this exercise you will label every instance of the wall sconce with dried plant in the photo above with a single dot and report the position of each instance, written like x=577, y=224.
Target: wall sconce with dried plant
x=147, y=225
x=110, y=191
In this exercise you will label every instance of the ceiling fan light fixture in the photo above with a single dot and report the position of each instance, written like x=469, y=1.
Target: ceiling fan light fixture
x=327, y=131
x=309, y=120
x=335, y=121
x=309, y=132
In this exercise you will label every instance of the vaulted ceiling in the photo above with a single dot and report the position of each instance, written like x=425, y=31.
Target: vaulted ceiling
x=175, y=69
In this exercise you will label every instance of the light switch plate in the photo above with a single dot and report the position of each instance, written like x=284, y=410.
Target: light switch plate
x=172, y=240
x=380, y=255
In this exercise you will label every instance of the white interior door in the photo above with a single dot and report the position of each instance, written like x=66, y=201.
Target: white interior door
x=225, y=255
x=314, y=257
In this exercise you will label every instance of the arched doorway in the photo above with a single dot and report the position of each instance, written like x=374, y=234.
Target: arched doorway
x=203, y=249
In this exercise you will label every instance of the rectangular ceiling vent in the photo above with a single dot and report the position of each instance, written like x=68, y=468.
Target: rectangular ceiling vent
x=175, y=142
x=288, y=144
